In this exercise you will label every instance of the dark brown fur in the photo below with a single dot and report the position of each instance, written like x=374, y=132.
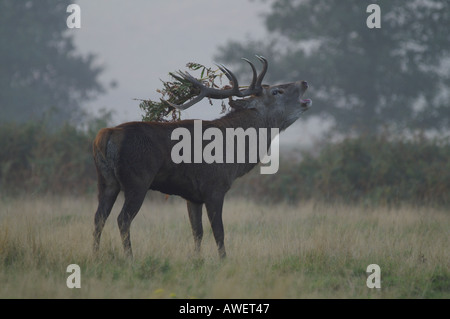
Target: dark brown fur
x=135, y=157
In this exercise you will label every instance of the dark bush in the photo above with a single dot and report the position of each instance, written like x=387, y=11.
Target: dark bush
x=35, y=159
x=371, y=170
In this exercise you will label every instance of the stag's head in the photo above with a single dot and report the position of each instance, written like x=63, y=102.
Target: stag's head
x=279, y=105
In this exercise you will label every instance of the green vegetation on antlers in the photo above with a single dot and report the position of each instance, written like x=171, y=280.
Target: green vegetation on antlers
x=178, y=91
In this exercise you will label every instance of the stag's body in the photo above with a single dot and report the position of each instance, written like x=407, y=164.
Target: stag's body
x=135, y=157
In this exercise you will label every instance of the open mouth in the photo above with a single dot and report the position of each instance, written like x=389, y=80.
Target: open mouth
x=305, y=103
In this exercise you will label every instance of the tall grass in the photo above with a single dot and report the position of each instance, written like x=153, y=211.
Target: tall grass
x=274, y=251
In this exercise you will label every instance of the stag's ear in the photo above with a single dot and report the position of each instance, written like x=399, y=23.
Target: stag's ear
x=239, y=104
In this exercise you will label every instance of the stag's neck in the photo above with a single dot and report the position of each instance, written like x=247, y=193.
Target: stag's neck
x=242, y=118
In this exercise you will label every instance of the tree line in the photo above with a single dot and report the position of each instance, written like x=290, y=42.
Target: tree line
x=366, y=81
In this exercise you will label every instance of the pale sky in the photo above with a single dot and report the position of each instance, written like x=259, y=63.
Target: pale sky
x=140, y=41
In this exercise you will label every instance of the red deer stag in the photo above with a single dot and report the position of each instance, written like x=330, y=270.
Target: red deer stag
x=135, y=157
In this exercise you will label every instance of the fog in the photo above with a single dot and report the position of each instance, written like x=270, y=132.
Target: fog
x=139, y=42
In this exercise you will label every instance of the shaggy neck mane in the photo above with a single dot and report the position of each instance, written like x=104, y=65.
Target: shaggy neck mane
x=239, y=118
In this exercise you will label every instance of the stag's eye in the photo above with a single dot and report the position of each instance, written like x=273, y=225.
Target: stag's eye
x=277, y=91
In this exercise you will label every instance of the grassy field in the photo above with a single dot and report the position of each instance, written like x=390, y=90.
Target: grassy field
x=305, y=251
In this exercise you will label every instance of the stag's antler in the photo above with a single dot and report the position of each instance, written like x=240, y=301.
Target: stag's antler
x=255, y=87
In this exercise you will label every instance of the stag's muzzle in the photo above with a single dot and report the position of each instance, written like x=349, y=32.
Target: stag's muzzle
x=305, y=103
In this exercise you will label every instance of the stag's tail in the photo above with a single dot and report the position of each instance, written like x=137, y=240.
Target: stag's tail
x=105, y=150
x=100, y=143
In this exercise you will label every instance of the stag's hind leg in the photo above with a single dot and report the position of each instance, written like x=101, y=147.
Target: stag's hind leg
x=107, y=195
x=195, y=217
x=133, y=202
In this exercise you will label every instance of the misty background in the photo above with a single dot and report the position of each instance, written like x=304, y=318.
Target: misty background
x=360, y=78
x=378, y=124
x=140, y=43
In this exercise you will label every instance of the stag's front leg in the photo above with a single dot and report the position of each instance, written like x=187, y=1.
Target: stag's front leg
x=214, y=209
x=195, y=217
